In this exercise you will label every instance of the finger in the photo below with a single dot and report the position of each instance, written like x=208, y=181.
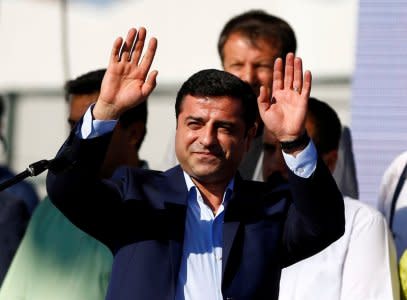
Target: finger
x=263, y=100
x=126, y=47
x=278, y=75
x=115, y=54
x=306, y=89
x=138, y=45
x=150, y=83
x=289, y=71
x=148, y=58
x=297, y=84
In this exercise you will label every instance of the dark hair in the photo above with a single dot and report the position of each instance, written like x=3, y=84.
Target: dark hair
x=215, y=83
x=257, y=24
x=85, y=84
x=327, y=126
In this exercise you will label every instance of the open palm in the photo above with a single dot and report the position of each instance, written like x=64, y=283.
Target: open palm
x=284, y=114
x=128, y=80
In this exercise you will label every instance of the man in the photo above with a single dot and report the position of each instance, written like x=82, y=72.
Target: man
x=198, y=231
x=248, y=45
x=56, y=260
x=362, y=263
x=23, y=189
x=15, y=205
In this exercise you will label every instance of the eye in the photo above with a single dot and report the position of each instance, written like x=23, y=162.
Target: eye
x=235, y=66
x=194, y=125
x=265, y=66
x=225, y=129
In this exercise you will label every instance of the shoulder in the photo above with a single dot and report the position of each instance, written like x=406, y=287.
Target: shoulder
x=396, y=166
x=45, y=213
x=361, y=215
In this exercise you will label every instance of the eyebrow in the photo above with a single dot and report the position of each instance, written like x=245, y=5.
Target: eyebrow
x=189, y=118
x=220, y=123
x=227, y=123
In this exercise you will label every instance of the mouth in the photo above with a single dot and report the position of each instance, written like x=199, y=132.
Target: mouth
x=209, y=154
x=204, y=155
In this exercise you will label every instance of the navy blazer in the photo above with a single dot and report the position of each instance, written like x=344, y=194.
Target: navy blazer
x=140, y=215
x=14, y=218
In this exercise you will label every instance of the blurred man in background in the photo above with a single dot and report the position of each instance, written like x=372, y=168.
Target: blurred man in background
x=56, y=260
x=23, y=189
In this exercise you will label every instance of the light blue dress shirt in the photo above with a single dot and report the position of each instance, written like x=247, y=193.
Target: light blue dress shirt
x=200, y=275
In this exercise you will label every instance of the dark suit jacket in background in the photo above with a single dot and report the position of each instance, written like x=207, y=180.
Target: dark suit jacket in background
x=140, y=215
x=14, y=218
x=345, y=170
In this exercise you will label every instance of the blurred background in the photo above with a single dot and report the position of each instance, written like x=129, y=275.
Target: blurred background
x=355, y=50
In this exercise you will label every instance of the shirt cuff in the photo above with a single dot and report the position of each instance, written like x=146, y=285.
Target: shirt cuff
x=91, y=128
x=305, y=163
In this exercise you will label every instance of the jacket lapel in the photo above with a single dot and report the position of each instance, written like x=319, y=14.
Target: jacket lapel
x=229, y=233
x=232, y=221
x=175, y=200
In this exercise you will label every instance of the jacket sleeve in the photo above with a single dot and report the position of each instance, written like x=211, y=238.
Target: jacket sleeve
x=316, y=217
x=74, y=186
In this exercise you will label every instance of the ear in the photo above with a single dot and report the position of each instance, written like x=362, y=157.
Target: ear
x=135, y=133
x=251, y=133
x=330, y=159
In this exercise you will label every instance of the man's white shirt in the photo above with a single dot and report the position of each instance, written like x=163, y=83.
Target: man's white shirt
x=360, y=265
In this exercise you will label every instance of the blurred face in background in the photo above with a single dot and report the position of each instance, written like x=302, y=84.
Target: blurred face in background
x=122, y=148
x=252, y=62
x=78, y=104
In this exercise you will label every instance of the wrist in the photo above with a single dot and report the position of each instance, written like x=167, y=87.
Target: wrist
x=104, y=112
x=296, y=145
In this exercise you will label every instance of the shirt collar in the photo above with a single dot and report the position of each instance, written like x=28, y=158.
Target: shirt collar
x=228, y=191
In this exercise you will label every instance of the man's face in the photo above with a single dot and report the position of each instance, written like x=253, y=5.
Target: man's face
x=121, y=145
x=210, y=138
x=273, y=160
x=78, y=104
x=251, y=62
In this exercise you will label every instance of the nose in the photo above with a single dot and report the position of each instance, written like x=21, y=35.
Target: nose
x=248, y=74
x=208, y=136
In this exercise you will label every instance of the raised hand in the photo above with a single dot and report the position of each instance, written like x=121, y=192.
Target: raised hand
x=284, y=113
x=128, y=80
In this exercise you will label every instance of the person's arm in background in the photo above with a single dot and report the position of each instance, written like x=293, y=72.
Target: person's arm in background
x=345, y=170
